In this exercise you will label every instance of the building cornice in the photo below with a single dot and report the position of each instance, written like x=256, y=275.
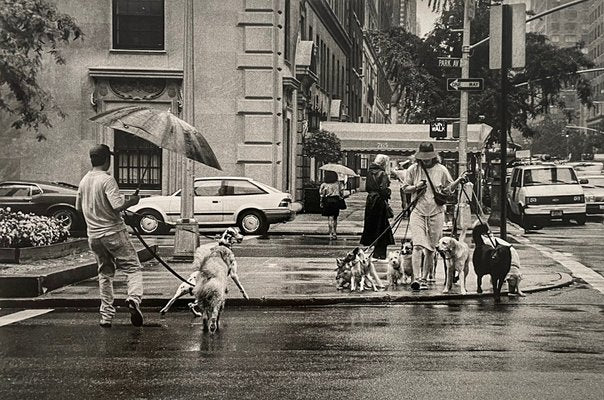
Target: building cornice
x=331, y=23
x=116, y=72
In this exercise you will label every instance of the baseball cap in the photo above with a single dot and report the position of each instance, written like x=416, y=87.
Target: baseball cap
x=101, y=151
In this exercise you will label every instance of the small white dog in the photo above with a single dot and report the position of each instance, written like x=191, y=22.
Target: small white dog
x=228, y=237
x=362, y=269
x=457, y=259
x=406, y=261
x=400, y=269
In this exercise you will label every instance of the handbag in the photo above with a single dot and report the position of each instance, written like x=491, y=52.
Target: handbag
x=440, y=198
x=342, y=204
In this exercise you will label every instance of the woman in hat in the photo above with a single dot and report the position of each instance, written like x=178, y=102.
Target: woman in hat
x=427, y=218
x=377, y=209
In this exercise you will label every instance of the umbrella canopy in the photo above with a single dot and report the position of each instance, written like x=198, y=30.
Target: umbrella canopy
x=161, y=128
x=340, y=169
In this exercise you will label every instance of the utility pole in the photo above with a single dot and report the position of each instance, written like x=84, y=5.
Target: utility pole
x=186, y=237
x=468, y=15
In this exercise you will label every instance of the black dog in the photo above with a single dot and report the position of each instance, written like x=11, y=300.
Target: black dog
x=490, y=261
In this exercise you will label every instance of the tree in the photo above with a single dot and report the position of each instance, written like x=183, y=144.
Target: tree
x=548, y=70
x=324, y=146
x=30, y=29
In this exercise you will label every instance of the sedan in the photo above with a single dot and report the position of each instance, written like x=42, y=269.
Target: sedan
x=220, y=201
x=53, y=199
x=593, y=186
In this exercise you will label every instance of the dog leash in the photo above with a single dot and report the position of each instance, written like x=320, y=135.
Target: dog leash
x=479, y=211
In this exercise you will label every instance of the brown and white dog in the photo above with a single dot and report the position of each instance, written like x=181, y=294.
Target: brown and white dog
x=361, y=270
x=228, y=237
x=457, y=259
x=400, y=269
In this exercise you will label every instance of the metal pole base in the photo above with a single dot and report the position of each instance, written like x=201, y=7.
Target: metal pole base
x=186, y=239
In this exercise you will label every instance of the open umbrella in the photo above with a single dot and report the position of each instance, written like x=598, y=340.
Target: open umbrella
x=340, y=169
x=161, y=128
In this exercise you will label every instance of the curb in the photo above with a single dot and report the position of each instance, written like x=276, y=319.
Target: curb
x=27, y=286
x=564, y=280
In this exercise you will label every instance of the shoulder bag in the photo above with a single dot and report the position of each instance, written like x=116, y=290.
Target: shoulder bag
x=440, y=198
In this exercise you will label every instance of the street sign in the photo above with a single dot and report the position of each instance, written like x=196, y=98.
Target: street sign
x=438, y=129
x=449, y=62
x=456, y=84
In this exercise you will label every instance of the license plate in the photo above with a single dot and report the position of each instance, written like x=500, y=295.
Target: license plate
x=556, y=213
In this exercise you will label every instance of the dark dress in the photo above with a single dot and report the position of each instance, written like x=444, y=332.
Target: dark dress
x=376, y=214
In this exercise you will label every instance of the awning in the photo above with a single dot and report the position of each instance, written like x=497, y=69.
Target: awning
x=404, y=138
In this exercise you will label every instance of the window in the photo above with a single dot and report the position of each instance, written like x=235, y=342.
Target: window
x=138, y=24
x=208, y=188
x=286, y=30
x=238, y=188
x=549, y=176
x=137, y=161
x=14, y=190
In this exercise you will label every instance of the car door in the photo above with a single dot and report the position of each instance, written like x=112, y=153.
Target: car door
x=17, y=196
x=513, y=191
x=239, y=194
x=208, y=208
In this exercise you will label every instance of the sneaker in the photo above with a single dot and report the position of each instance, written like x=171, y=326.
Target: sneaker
x=136, y=316
x=105, y=323
x=415, y=285
x=423, y=286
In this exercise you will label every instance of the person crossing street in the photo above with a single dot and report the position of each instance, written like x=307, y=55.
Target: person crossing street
x=100, y=201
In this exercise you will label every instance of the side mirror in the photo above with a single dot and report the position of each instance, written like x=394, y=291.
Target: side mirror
x=583, y=181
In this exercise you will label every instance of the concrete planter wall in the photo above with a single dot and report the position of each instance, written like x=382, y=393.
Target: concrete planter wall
x=19, y=255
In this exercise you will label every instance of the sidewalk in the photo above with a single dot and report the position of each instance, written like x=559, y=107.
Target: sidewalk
x=293, y=276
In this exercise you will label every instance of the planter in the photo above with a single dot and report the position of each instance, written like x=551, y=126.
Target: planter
x=23, y=254
x=312, y=201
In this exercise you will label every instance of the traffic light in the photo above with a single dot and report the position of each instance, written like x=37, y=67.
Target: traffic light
x=438, y=129
x=455, y=130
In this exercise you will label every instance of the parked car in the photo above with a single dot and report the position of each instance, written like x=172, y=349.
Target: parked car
x=221, y=201
x=593, y=186
x=538, y=194
x=54, y=199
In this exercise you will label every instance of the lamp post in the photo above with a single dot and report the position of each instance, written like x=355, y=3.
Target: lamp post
x=468, y=11
x=186, y=237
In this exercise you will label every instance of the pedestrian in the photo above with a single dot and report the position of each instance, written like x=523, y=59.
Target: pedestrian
x=376, y=226
x=100, y=201
x=332, y=201
x=401, y=174
x=427, y=217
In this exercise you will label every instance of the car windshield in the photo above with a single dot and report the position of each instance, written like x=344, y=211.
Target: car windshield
x=549, y=176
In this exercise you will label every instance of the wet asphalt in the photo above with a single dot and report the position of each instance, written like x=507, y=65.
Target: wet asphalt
x=547, y=345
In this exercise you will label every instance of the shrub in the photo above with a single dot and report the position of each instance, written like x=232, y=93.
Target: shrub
x=324, y=146
x=26, y=230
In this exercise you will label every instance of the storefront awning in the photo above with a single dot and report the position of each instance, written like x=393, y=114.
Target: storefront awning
x=404, y=138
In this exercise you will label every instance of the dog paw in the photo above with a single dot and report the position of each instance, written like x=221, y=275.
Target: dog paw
x=445, y=291
x=464, y=292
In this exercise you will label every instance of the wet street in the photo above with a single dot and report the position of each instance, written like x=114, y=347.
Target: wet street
x=547, y=345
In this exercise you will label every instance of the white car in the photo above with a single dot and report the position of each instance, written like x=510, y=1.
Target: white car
x=220, y=201
x=538, y=194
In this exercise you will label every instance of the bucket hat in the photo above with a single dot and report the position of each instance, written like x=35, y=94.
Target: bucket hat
x=426, y=152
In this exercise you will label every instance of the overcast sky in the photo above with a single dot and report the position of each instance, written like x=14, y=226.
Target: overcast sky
x=425, y=17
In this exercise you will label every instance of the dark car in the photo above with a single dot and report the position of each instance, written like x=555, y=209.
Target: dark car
x=54, y=199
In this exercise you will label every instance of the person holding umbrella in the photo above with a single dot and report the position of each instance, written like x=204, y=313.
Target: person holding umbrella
x=332, y=200
x=100, y=201
x=376, y=227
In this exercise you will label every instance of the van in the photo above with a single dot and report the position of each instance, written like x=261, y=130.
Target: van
x=538, y=194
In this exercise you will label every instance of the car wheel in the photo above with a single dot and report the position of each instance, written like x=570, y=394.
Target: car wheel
x=151, y=222
x=252, y=222
x=66, y=216
x=581, y=219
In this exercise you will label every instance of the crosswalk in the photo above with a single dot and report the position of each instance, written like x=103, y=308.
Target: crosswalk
x=22, y=315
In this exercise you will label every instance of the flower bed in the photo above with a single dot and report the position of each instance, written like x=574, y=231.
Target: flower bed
x=33, y=237
x=29, y=230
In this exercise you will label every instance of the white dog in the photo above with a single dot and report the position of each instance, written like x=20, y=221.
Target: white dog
x=400, y=269
x=457, y=259
x=362, y=269
x=228, y=237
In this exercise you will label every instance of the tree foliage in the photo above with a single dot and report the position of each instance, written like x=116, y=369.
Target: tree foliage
x=549, y=69
x=29, y=30
x=324, y=146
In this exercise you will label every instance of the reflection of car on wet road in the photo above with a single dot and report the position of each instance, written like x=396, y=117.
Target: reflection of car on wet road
x=221, y=201
x=538, y=194
x=594, y=193
x=54, y=199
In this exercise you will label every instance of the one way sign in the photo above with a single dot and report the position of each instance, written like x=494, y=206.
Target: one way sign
x=456, y=84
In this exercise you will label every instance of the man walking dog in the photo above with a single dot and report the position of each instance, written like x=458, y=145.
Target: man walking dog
x=100, y=201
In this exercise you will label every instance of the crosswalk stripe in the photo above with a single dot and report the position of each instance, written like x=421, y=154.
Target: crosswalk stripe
x=22, y=315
